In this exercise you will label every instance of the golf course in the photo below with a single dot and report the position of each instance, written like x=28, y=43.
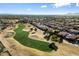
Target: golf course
x=22, y=37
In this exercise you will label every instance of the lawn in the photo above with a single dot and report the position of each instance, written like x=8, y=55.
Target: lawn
x=22, y=37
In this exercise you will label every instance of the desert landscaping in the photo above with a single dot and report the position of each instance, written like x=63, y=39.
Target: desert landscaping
x=32, y=43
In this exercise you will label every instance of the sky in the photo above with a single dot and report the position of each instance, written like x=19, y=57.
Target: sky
x=39, y=8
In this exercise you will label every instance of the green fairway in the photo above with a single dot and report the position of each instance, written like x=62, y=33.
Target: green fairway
x=22, y=37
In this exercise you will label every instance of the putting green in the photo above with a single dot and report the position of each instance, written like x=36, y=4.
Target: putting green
x=22, y=37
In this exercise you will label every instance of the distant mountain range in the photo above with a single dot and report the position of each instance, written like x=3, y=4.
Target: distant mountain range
x=35, y=15
x=73, y=14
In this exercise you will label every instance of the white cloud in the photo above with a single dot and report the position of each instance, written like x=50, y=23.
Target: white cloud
x=61, y=4
x=77, y=4
x=44, y=6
